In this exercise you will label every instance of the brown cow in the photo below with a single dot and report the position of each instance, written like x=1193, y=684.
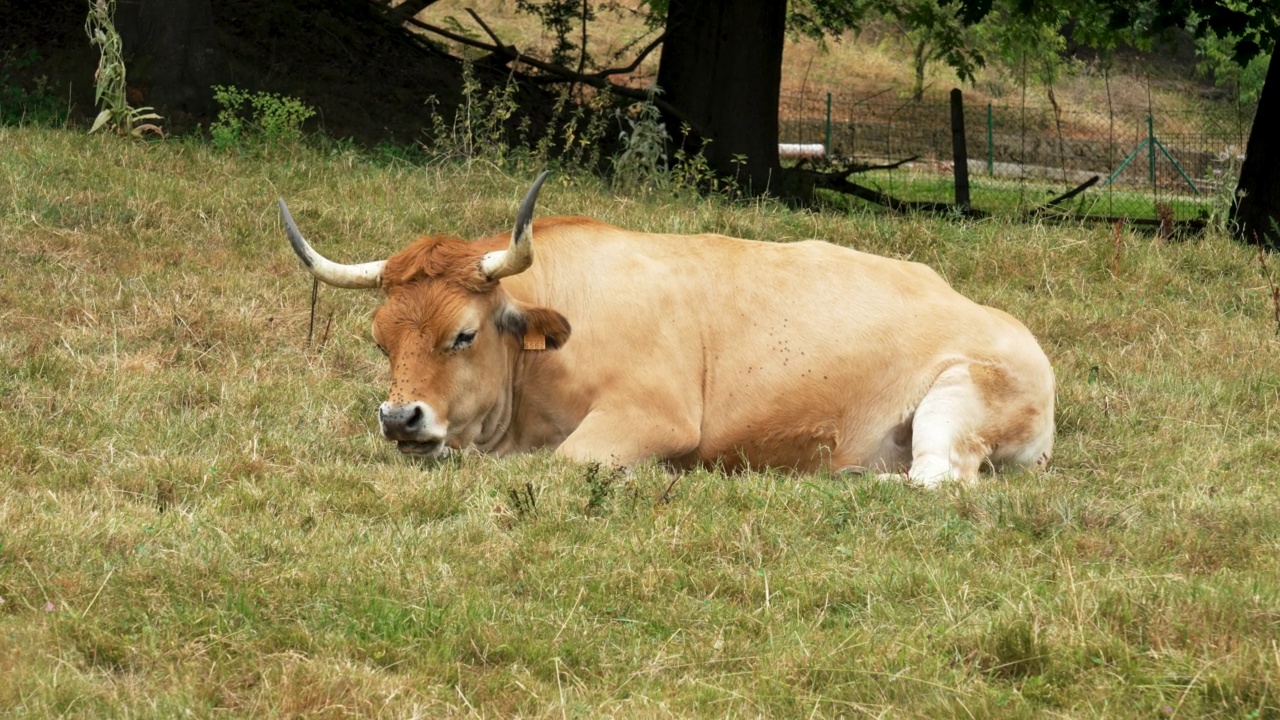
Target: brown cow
x=696, y=349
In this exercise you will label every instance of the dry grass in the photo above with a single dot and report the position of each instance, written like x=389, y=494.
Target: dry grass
x=197, y=515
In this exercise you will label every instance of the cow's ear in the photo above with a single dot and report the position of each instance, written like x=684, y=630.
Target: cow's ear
x=537, y=328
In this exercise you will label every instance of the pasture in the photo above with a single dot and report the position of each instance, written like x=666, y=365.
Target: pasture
x=197, y=516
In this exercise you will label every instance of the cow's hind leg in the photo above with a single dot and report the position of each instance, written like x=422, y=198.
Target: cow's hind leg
x=975, y=413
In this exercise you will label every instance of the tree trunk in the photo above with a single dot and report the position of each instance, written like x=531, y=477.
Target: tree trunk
x=170, y=54
x=920, y=59
x=1257, y=204
x=722, y=67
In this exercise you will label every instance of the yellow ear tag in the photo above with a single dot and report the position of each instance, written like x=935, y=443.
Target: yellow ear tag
x=534, y=340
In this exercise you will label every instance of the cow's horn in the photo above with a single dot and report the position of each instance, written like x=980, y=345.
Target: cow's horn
x=364, y=275
x=519, y=255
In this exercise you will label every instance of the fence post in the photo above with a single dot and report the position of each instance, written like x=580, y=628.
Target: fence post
x=991, y=151
x=1151, y=152
x=827, y=146
x=959, y=155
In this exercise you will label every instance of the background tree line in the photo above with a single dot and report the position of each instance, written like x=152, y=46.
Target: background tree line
x=720, y=63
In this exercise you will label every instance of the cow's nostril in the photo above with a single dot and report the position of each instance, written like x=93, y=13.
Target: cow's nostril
x=414, y=420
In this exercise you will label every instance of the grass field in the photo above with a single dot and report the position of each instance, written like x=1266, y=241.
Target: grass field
x=1010, y=197
x=196, y=515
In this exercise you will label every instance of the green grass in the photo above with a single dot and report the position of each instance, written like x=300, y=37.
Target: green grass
x=197, y=516
x=1006, y=197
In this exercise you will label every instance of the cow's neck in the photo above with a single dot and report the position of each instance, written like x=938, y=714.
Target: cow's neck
x=538, y=406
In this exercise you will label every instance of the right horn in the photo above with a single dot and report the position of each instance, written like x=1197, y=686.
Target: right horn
x=519, y=254
x=364, y=275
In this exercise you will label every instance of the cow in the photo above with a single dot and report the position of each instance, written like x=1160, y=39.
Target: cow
x=619, y=347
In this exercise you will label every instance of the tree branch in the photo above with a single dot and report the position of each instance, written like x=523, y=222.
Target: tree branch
x=578, y=75
x=843, y=173
x=860, y=191
x=596, y=80
x=487, y=31
x=636, y=62
x=1067, y=195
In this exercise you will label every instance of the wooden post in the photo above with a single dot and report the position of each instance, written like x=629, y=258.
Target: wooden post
x=959, y=155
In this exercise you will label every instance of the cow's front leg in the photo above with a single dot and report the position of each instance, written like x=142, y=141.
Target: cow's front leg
x=626, y=436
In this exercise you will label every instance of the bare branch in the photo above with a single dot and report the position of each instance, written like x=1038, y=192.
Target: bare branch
x=845, y=172
x=487, y=30
x=893, y=203
x=1068, y=194
x=636, y=62
x=888, y=166
x=596, y=80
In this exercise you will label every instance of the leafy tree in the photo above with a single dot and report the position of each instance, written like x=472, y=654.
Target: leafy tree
x=1216, y=61
x=721, y=69
x=1250, y=28
x=932, y=33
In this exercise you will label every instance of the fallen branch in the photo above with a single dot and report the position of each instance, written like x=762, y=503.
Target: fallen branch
x=894, y=203
x=880, y=198
x=597, y=80
x=853, y=169
x=845, y=172
x=1066, y=195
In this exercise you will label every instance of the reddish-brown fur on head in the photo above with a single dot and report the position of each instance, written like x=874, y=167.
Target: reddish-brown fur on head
x=443, y=258
x=450, y=332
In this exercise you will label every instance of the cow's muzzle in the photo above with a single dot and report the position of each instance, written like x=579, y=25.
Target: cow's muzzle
x=413, y=426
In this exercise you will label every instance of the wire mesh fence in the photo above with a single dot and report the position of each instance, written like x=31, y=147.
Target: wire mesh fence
x=1179, y=166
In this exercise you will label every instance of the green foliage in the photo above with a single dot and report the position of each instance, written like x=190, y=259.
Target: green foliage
x=478, y=130
x=932, y=32
x=642, y=163
x=563, y=18
x=261, y=117
x=110, y=89
x=1223, y=176
x=1216, y=59
x=20, y=106
x=487, y=127
x=1027, y=47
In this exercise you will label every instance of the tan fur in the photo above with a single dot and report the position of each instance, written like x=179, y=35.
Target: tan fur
x=704, y=349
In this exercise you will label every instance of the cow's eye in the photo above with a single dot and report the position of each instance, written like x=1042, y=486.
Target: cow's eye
x=464, y=339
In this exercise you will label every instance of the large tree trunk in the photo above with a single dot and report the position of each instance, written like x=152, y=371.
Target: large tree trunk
x=1257, y=204
x=722, y=67
x=170, y=54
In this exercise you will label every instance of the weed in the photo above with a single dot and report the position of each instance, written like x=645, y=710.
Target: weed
x=110, y=88
x=524, y=500
x=261, y=117
x=20, y=106
x=642, y=163
x=600, y=481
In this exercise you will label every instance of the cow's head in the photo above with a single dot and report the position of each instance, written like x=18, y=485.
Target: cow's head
x=450, y=330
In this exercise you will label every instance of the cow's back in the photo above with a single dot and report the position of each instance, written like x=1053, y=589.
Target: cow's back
x=778, y=352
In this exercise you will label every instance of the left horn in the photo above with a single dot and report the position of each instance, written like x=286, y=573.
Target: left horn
x=364, y=275
x=519, y=255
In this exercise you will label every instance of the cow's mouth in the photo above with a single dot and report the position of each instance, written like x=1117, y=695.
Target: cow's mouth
x=421, y=449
